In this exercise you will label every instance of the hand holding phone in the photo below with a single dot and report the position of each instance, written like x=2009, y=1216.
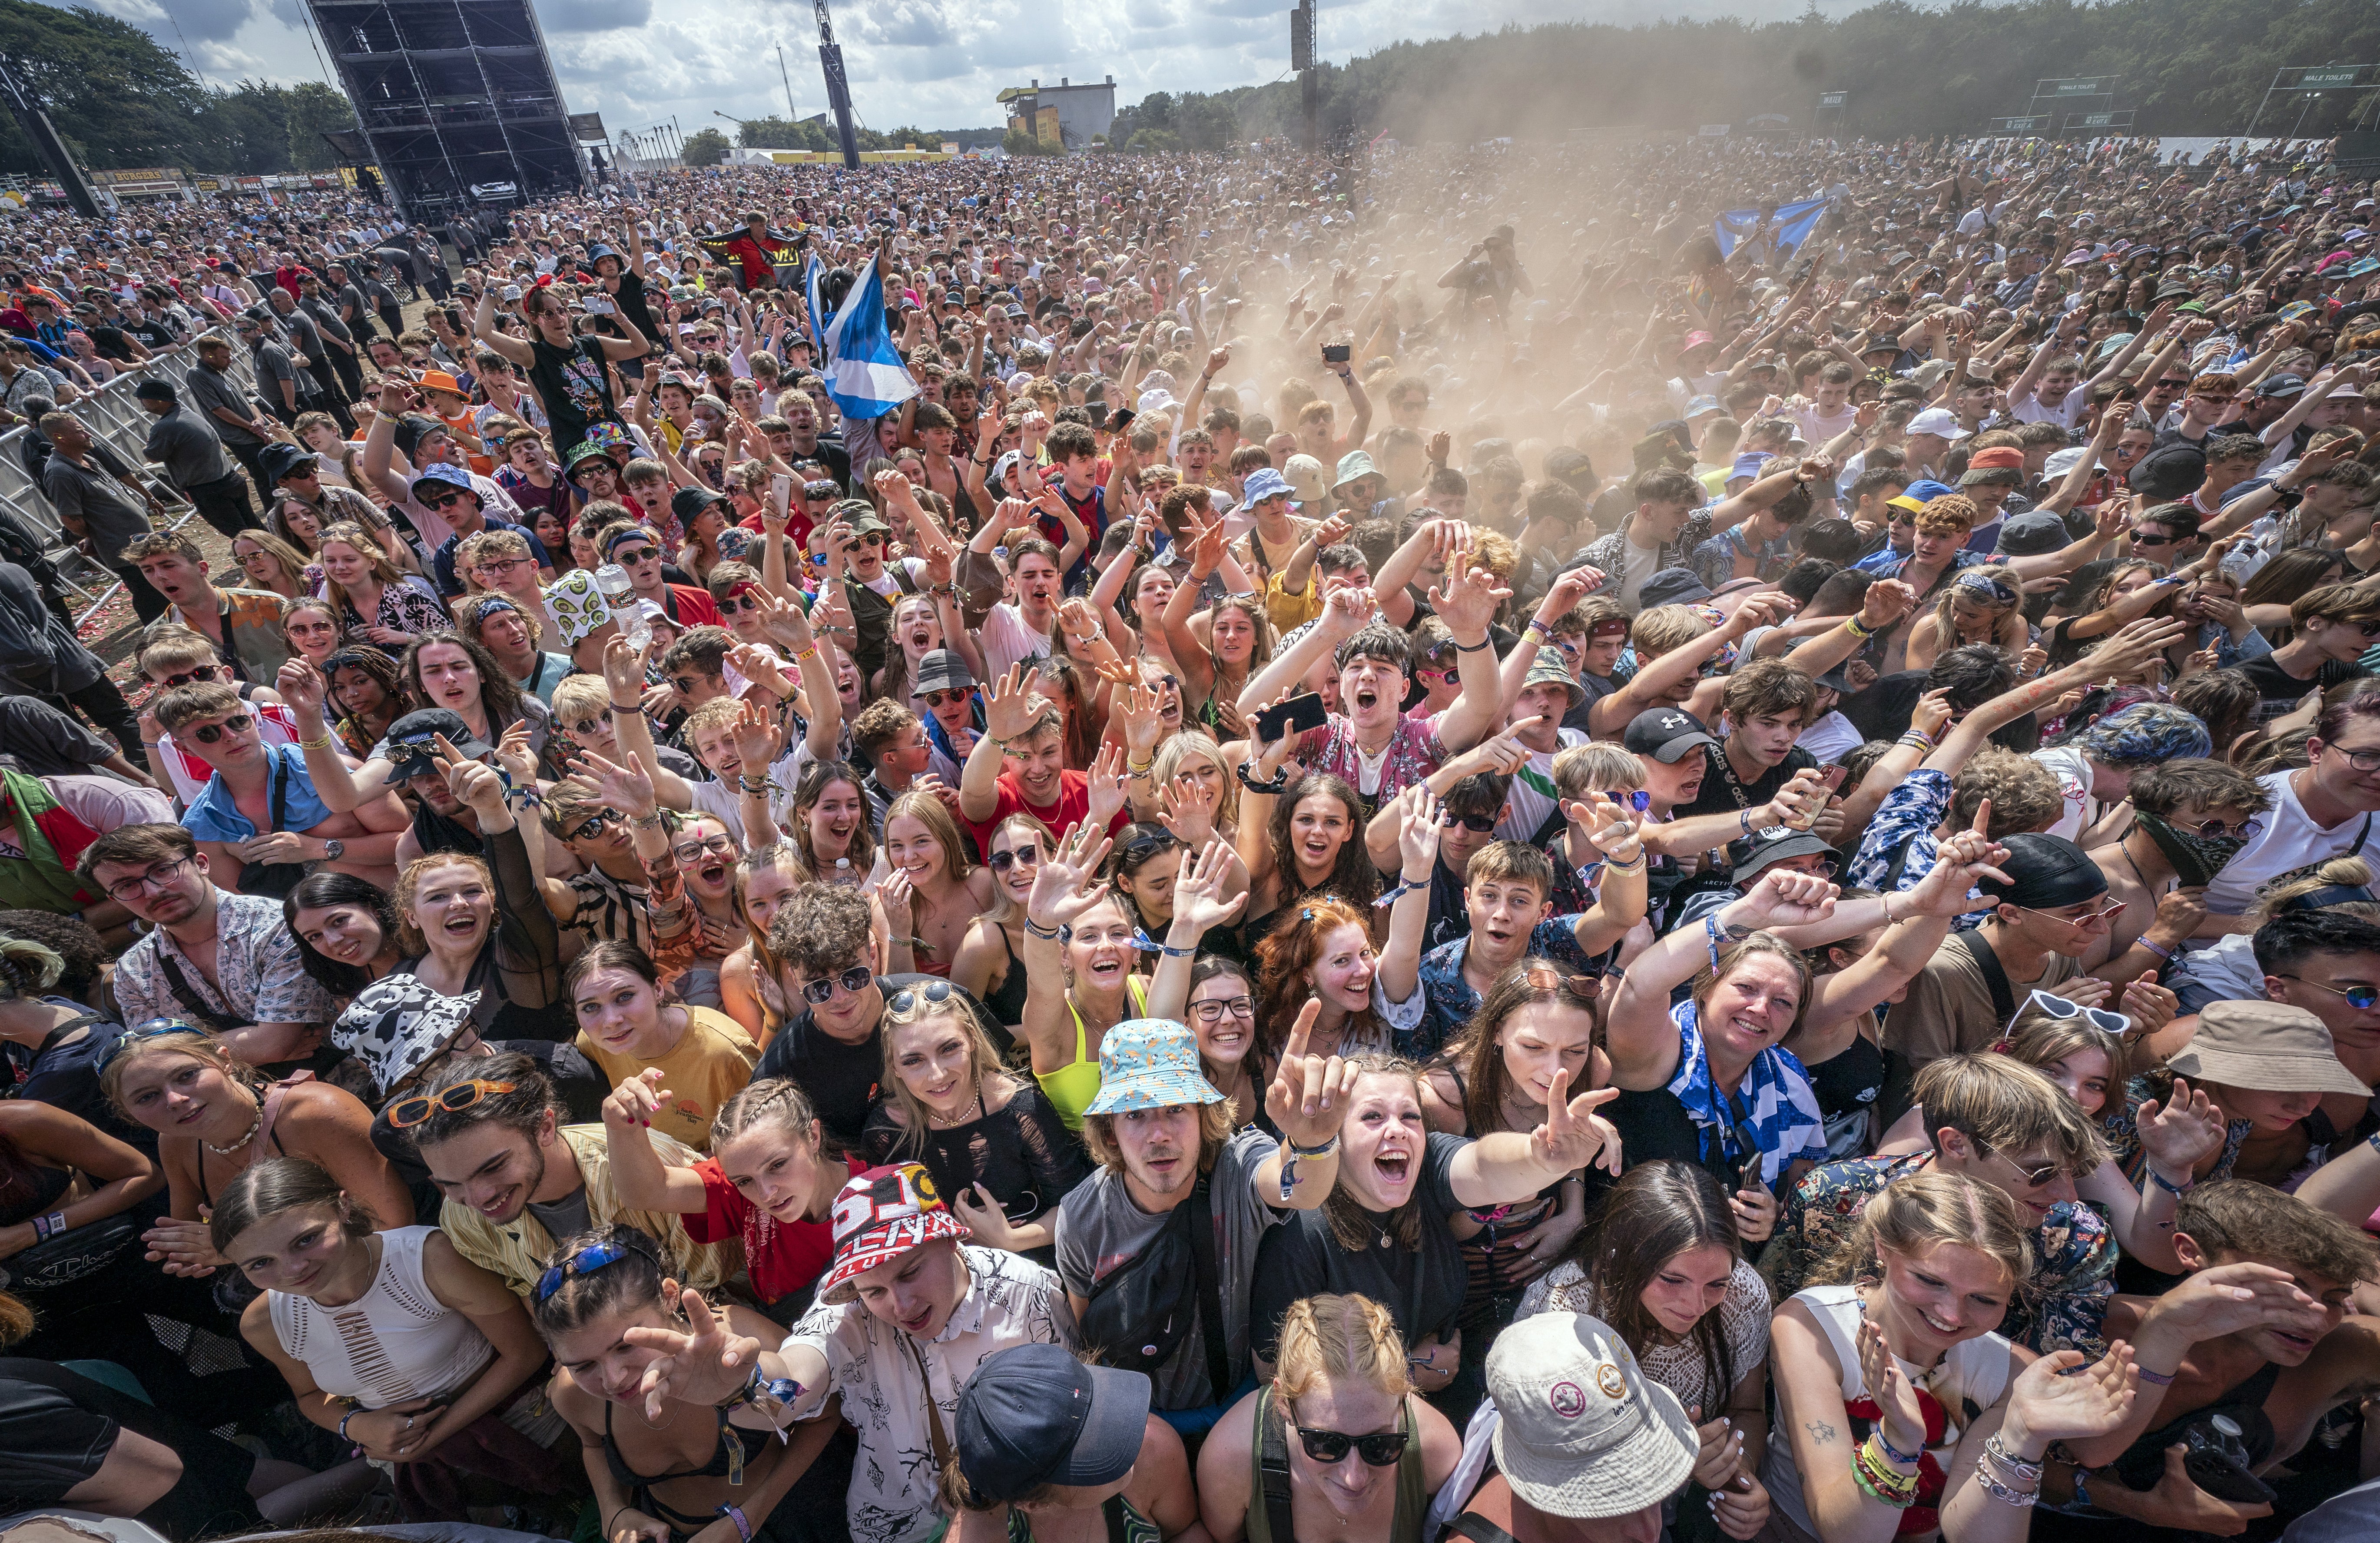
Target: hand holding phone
x=1294, y=716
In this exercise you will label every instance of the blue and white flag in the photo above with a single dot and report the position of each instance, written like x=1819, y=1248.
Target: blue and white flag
x=1789, y=226
x=863, y=371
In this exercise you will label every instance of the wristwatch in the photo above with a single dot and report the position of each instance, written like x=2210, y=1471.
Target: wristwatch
x=334, y=849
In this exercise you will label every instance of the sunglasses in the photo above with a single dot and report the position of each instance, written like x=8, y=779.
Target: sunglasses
x=2066, y=1012
x=2086, y=919
x=595, y=823
x=1216, y=1009
x=586, y=726
x=407, y=1113
x=444, y=499
x=586, y=1261
x=948, y=697
x=202, y=672
x=734, y=603
x=1141, y=848
x=2361, y=998
x=2247, y=830
x=238, y=722
x=2034, y=1177
x=692, y=851
x=1479, y=824
x=2150, y=538
x=853, y=980
x=637, y=555
x=912, y=998
x=1543, y=977
x=154, y=1029
x=1441, y=677
x=157, y=877
x=1381, y=1448
x=1000, y=862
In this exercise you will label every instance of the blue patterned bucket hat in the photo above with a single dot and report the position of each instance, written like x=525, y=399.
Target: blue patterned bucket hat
x=1151, y=1064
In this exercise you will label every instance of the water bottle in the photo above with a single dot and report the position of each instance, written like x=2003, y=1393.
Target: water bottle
x=844, y=874
x=612, y=579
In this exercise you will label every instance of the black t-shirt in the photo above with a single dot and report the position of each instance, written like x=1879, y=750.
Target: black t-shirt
x=1422, y=1288
x=153, y=333
x=110, y=342
x=573, y=387
x=1883, y=710
x=634, y=307
x=2281, y=691
x=64, y=1071
x=842, y=1079
x=1722, y=794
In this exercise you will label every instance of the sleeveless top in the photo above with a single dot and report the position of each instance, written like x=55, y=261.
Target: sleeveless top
x=1007, y=1000
x=1072, y=1087
x=1270, y=1438
x=396, y=1342
x=1967, y=1381
x=41, y=1189
x=736, y=1448
x=269, y=1100
x=1124, y=1520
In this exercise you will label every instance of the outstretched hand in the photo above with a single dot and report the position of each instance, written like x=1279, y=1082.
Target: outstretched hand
x=701, y=1367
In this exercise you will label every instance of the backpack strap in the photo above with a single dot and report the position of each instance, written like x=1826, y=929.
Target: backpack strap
x=1272, y=1472
x=1479, y=1529
x=1994, y=977
x=1210, y=1294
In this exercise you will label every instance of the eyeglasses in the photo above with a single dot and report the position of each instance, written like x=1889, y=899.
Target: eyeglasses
x=595, y=824
x=444, y=499
x=1214, y=1010
x=202, y=672
x=587, y=1260
x=1381, y=1448
x=498, y=567
x=691, y=851
x=855, y=980
x=2361, y=998
x=238, y=722
x=2034, y=1177
x=585, y=726
x=453, y=1099
x=2362, y=760
x=1479, y=824
x=913, y=998
x=1000, y=862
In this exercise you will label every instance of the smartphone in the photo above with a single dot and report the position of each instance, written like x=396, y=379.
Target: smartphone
x=1294, y=716
x=1833, y=778
x=782, y=487
x=599, y=305
x=1337, y=353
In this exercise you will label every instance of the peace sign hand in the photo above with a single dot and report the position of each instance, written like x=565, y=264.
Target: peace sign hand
x=1307, y=1098
x=703, y=1366
x=1574, y=1134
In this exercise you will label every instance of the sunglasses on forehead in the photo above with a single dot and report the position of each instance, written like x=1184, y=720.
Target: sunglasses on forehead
x=407, y=1113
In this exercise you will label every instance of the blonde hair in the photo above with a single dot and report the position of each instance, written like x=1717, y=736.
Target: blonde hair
x=167, y=645
x=28, y=968
x=351, y=534
x=2035, y=1039
x=577, y=697
x=190, y=1043
x=1338, y=1339
x=771, y=1101
x=1194, y=742
x=1595, y=768
x=2351, y=872
x=983, y=1066
x=2009, y=1106
x=1666, y=628
x=1930, y=1207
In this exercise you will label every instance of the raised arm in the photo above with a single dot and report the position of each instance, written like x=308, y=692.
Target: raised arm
x=517, y=349
x=643, y=1179
x=1415, y=814
x=1467, y=604
x=1643, y=1040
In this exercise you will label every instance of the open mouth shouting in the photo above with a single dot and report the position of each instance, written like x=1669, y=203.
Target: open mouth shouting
x=1392, y=1168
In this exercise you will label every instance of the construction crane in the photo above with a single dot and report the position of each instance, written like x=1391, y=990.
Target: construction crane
x=838, y=91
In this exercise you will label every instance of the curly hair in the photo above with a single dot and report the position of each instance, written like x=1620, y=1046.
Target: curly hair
x=2024, y=794
x=1286, y=959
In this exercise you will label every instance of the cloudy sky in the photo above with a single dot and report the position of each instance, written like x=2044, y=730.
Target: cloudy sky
x=936, y=63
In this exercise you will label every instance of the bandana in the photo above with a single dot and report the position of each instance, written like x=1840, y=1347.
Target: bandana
x=2196, y=859
x=1775, y=1108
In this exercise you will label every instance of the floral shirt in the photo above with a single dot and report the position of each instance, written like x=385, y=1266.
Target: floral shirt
x=2074, y=1252
x=259, y=977
x=1412, y=754
x=404, y=607
x=1451, y=1000
x=2123, y=1133
x=876, y=1368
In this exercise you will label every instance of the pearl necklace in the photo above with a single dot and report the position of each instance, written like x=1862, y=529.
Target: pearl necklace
x=974, y=1112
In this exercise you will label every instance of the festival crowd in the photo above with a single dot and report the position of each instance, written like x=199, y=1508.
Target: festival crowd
x=1473, y=843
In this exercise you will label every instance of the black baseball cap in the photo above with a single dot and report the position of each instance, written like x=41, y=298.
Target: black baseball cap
x=2043, y=872
x=1033, y=1415
x=412, y=742
x=1666, y=734
x=1750, y=857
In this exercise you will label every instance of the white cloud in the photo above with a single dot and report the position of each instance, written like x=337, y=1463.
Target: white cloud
x=938, y=63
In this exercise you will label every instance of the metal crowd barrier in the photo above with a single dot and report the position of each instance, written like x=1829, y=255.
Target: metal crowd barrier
x=115, y=418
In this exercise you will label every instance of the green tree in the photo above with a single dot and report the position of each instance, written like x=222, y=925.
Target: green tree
x=314, y=107
x=769, y=133
x=1153, y=141
x=706, y=147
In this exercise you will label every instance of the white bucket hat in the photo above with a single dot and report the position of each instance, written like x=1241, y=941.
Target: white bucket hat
x=1581, y=1432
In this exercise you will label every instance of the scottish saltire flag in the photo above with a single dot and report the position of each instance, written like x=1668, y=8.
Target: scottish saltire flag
x=863, y=371
x=1791, y=225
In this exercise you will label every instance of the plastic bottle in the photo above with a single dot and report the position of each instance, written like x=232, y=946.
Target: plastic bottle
x=612, y=580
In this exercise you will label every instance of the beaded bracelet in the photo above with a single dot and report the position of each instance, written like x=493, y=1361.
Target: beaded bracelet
x=1898, y=1491
x=322, y=744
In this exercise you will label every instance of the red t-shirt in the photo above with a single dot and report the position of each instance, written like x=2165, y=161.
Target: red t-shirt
x=694, y=607
x=784, y=1257
x=1074, y=803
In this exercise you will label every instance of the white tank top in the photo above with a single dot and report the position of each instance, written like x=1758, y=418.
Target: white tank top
x=394, y=1344
x=1976, y=1372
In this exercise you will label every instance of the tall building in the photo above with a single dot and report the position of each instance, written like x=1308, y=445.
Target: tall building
x=455, y=100
x=1076, y=113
